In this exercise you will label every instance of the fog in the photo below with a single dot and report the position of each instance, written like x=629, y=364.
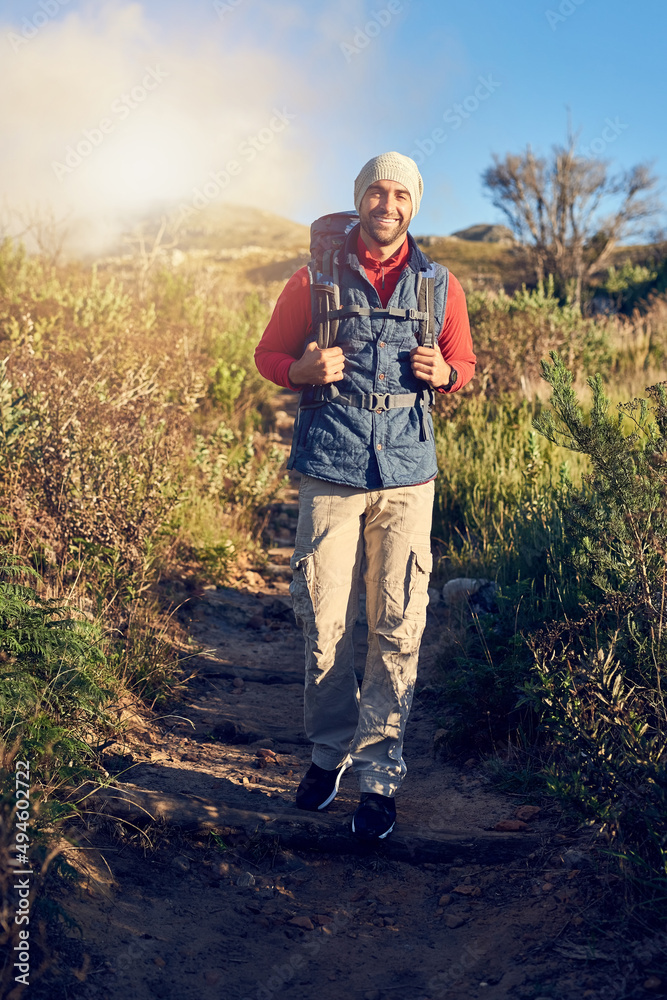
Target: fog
x=106, y=117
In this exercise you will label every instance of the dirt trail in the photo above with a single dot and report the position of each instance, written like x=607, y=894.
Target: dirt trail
x=240, y=895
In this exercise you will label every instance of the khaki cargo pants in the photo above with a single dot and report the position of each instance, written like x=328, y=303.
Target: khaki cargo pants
x=385, y=534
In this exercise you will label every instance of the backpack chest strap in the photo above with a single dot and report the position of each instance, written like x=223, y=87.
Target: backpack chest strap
x=391, y=312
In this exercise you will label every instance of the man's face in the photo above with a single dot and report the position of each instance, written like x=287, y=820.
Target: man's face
x=385, y=212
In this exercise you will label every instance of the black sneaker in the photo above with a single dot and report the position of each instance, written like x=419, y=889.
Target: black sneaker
x=375, y=817
x=318, y=787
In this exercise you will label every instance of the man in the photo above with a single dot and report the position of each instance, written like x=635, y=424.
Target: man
x=365, y=448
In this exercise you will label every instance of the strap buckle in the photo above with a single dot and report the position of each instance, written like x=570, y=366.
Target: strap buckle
x=379, y=401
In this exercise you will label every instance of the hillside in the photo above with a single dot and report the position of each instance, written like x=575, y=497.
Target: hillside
x=257, y=247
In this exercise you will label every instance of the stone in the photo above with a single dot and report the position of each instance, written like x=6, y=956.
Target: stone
x=527, y=812
x=304, y=922
x=510, y=826
x=453, y=920
x=653, y=983
x=467, y=890
x=238, y=682
x=181, y=863
x=245, y=880
x=445, y=899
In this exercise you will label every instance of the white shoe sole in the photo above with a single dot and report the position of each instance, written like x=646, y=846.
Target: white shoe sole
x=380, y=836
x=347, y=763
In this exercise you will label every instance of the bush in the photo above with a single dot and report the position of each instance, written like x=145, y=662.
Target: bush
x=512, y=334
x=53, y=678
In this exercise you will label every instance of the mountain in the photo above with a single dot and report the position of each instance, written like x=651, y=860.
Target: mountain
x=486, y=233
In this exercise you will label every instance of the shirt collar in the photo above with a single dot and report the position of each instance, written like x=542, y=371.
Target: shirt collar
x=370, y=263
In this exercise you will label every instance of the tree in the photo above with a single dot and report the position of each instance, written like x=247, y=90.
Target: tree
x=568, y=211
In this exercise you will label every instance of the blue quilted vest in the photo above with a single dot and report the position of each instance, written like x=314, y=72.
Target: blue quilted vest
x=374, y=447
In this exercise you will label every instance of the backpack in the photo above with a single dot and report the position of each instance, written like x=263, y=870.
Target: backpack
x=327, y=237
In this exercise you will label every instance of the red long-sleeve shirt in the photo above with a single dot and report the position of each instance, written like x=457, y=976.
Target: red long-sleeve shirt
x=284, y=339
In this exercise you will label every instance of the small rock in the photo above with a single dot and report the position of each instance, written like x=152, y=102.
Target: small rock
x=238, y=682
x=547, y=887
x=245, y=880
x=445, y=900
x=322, y=919
x=223, y=867
x=527, y=812
x=256, y=622
x=470, y=762
x=467, y=890
x=454, y=920
x=652, y=983
x=510, y=825
x=159, y=961
x=576, y=859
x=181, y=863
x=268, y=755
x=461, y=588
x=304, y=922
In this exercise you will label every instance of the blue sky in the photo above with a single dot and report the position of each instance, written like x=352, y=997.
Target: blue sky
x=450, y=83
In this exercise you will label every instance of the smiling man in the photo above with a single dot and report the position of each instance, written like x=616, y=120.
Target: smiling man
x=364, y=446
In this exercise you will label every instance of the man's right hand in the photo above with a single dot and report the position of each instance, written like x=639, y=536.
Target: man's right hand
x=317, y=366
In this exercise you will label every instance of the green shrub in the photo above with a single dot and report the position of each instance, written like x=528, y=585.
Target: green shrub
x=53, y=676
x=512, y=334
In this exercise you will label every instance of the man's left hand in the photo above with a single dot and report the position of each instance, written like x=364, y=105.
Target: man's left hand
x=428, y=364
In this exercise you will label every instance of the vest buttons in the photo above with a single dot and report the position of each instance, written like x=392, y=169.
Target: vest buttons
x=382, y=344
x=378, y=411
x=379, y=447
x=380, y=376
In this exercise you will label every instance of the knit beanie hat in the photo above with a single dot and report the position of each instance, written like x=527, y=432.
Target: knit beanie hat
x=390, y=167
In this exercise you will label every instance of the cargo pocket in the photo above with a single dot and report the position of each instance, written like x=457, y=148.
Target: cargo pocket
x=418, y=574
x=302, y=588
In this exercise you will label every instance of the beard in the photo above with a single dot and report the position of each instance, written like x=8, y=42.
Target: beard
x=385, y=235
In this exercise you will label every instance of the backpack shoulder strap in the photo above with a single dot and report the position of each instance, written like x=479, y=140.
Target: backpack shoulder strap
x=426, y=303
x=324, y=297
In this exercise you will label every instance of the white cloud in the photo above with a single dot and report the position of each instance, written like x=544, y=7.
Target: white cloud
x=103, y=117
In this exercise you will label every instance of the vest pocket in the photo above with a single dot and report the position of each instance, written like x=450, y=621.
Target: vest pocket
x=420, y=564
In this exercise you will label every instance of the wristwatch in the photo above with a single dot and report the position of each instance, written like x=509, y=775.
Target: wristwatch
x=453, y=376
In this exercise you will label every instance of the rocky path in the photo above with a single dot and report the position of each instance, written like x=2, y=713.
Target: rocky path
x=200, y=879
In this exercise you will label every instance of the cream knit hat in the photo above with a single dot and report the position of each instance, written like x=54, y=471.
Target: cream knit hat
x=390, y=167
